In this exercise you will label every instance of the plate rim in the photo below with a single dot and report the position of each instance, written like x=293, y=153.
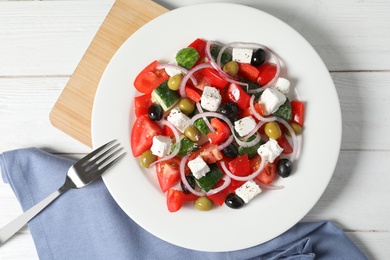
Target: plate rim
x=96, y=140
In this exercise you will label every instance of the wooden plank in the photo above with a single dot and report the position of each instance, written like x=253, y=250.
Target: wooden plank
x=72, y=111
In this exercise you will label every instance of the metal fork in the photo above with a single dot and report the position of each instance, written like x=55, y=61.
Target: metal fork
x=80, y=174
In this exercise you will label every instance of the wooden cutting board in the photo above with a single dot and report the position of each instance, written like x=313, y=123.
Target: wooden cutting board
x=73, y=110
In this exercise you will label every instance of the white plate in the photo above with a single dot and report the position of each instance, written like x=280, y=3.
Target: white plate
x=271, y=213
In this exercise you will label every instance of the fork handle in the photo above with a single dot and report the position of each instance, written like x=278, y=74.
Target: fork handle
x=15, y=225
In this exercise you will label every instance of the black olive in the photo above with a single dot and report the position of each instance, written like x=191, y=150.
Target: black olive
x=230, y=151
x=191, y=181
x=234, y=119
x=233, y=201
x=284, y=167
x=229, y=110
x=155, y=112
x=258, y=57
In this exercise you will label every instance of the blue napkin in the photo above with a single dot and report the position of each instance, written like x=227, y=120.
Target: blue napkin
x=88, y=224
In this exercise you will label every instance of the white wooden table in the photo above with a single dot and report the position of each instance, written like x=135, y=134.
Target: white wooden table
x=41, y=42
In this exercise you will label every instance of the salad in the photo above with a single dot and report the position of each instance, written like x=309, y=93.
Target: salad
x=217, y=125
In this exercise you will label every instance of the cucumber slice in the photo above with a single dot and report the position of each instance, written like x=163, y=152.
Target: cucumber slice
x=226, y=56
x=187, y=57
x=284, y=111
x=208, y=181
x=186, y=147
x=165, y=96
x=251, y=151
x=200, y=124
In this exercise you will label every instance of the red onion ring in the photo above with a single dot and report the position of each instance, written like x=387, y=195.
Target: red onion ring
x=189, y=74
x=245, y=143
x=254, y=131
x=227, y=181
x=268, y=186
x=251, y=133
x=281, y=120
x=256, y=114
x=226, y=143
x=218, y=67
x=183, y=177
x=245, y=178
x=174, y=66
x=199, y=107
x=213, y=114
x=222, y=117
x=230, y=139
x=273, y=55
x=293, y=136
x=284, y=122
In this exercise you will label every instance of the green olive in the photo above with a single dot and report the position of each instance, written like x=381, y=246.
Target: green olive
x=147, y=158
x=272, y=130
x=192, y=133
x=297, y=129
x=174, y=81
x=231, y=68
x=186, y=106
x=204, y=204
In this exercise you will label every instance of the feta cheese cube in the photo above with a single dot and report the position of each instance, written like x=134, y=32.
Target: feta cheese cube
x=211, y=98
x=245, y=125
x=270, y=150
x=179, y=119
x=283, y=85
x=248, y=191
x=161, y=145
x=242, y=55
x=271, y=100
x=198, y=167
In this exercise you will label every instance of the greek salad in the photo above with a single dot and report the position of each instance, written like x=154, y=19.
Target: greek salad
x=217, y=124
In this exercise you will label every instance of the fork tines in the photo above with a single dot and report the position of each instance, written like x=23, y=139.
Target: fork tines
x=102, y=158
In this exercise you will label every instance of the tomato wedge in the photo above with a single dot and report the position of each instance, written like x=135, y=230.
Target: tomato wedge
x=267, y=72
x=176, y=199
x=269, y=173
x=285, y=144
x=214, y=78
x=248, y=112
x=142, y=104
x=240, y=166
x=236, y=94
x=167, y=131
x=222, y=131
x=209, y=153
x=142, y=134
x=248, y=71
x=200, y=46
x=193, y=94
x=298, y=112
x=168, y=173
x=220, y=197
x=150, y=78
